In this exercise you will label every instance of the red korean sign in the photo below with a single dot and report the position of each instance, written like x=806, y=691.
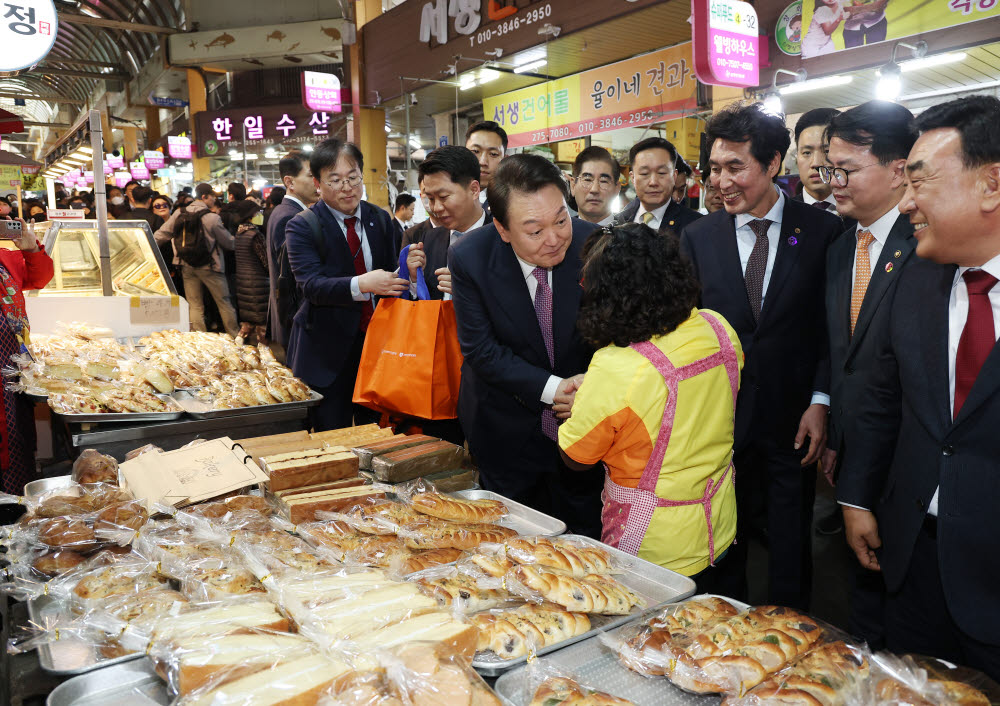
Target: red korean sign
x=726, y=42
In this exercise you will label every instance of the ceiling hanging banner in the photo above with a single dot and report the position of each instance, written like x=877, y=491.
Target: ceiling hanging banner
x=28, y=30
x=858, y=23
x=631, y=93
x=726, y=39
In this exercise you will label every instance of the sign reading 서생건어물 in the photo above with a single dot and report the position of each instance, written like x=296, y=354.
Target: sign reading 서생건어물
x=27, y=32
x=629, y=93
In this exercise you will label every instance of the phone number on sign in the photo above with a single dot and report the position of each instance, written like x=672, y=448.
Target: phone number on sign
x=513, y=24
x=589, y=127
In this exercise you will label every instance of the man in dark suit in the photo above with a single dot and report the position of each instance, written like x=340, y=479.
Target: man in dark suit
x=516, y=285
x=762, y=262
x=868, y=146
x=811, y=146
x=449, y=179
x=919, y=483
x=403, y=214
x=340, y=270
x=595, y=185
x=300, y=194
x=653, y=176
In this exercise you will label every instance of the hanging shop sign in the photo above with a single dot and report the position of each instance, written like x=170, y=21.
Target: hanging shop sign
x=138, y=170
x=122, y=178
x=856, y=26
x=219, y=132
x=321, y=92
x=788, y=29
x=726, y=42
x=73, y=175
x=115, y=161
x=179, y=147
x=88, y=177
x=153, y=159
x=10, y=175
x=30, y=168
x=27, y=32
x=630, y=93
x=167, y=101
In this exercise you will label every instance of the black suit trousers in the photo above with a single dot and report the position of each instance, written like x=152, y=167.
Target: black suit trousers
x=337, y=411
x=542, y=481
x=775, y=493
x=917, y=619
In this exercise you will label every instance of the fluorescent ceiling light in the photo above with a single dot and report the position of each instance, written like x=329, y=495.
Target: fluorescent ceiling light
x=929, y=61
x=387, y=129
x=772, y=105
x=466, y=86
x=972, y=88
x=530, y=67
x=487, y=75
x=307, y=148
x=815, y=84
x=415, y=143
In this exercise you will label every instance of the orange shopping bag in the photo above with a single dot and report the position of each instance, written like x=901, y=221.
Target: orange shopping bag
x=411, y=364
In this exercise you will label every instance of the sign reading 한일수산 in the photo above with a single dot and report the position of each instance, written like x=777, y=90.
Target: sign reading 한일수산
x=27, y=32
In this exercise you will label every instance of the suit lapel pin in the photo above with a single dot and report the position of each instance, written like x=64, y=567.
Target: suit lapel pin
x=671, y=223
x=798, y=230
x=793, y=240
x=888, y=267
x=897, y=253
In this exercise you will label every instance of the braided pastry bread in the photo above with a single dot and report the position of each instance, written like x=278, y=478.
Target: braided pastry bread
x=562, y=691
x=509, y=633
x=437, y=534
x=431, y=557
x=591, y=594
x=445, y=507
x=574, y=559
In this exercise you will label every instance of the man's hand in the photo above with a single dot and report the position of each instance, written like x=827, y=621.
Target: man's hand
x=27, y=243
x=444, y=279
x=813, y=425
x=382, y=283
x=415, y=258
x=562, y=403
x=829, y=465
x=861, y=529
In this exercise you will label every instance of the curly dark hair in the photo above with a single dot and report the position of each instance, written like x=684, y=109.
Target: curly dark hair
x=636, y=285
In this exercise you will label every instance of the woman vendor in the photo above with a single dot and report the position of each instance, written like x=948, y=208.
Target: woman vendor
x=657, y=405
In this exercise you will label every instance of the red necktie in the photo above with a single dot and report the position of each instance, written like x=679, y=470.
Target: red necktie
x=978, y=336
x=354, y=243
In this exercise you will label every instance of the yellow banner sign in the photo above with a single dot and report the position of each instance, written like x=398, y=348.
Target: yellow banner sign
x=10, y=175
x=647, y=89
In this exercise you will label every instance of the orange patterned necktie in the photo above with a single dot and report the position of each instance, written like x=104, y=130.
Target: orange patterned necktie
x=862, y=274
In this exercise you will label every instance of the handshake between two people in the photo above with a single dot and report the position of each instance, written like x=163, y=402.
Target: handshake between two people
x=562, y=403
x=417, y=259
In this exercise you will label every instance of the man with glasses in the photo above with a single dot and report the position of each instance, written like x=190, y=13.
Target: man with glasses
x=341, y=253
x=868, y=149
x=762, y=265
x=595, y=185
x=653, y=176
x=488, y=141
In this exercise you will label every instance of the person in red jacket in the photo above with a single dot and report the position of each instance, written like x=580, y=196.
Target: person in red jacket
x=26, y=267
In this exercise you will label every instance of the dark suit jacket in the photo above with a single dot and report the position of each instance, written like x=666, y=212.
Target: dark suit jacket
x=675, y=219
x=397, y=235
x=852, y=358
x=506, y=365
x=907, y=445
x=849, y=223
x=327, y=322
x=282, y=213
x=786, y=353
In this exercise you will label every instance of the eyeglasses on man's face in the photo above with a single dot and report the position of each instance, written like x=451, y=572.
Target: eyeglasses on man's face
x=838, y=175
x=338, y=183
x=605, y=182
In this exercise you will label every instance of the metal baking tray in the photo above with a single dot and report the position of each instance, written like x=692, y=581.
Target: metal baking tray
x=68, y=655
x=522, y=519
x=199, y=409
x=657, y=585
x=131, y=684
x=594, y=664
x=128, y=416
x=44, y=485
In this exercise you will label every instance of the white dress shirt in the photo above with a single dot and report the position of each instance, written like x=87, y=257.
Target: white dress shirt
x=808, y=198
x=745, y=240
x=958, y=312
x=549, y=392
x=293, y=199
x=657, y=214
x=403, y=224
x=880, y=230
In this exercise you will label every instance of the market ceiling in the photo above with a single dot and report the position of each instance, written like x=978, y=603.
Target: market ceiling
x=105, y=39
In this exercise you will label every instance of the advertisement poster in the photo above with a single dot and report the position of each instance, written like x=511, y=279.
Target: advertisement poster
x=788, y=29
x=833, y=25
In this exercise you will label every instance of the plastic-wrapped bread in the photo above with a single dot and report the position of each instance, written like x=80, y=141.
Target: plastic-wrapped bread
x=576, y=559
x=563, y=691
x=332, y=485
x=591, y=594
x=220, y=618
x=299, y=682
x=512, y=633
x=357, y=615
x=445, y=507
x=416, y=461
x=438, y=534
x=303, y=508
x=451, y=587
x=94, y=467
x=369, y=451
x=335, y=464
x=450, y=636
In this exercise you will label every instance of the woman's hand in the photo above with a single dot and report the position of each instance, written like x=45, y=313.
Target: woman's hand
x=27, y=243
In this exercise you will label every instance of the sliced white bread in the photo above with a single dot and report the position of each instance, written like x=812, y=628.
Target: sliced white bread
x=301, y=682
